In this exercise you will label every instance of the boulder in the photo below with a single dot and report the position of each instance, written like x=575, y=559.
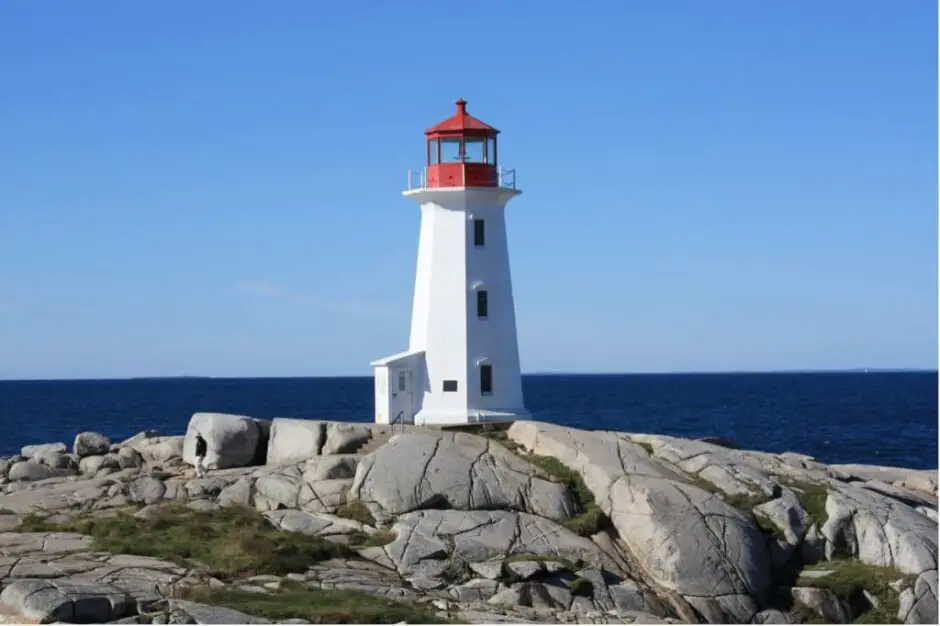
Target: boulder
x=91, y=465
x=690, y=541
x=918, y=605
x=43, y=448
x=44, y=601
x=455, y=470
x=429, y=544
x=30, y=470
x=157, y=450
x=343, y=438
x=232, y=440
x=294, y=440
x=89, y=444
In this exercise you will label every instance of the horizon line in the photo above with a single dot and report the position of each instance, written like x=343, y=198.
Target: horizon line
x=853, y=370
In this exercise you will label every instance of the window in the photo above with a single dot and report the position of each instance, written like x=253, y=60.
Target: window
x=491, y=150
x=434, y=152
x=402, y=382
x=486, y=379
x=479, y=233
x=482, y=304
x=473, y=148
x=450, y=385
x=450, y=150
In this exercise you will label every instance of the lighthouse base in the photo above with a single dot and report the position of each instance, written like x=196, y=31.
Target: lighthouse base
x=469, y=416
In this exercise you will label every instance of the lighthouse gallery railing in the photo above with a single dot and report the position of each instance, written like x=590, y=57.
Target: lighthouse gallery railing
x=418, y=179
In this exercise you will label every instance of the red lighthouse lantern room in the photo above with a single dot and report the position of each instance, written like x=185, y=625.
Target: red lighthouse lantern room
x=462, y=152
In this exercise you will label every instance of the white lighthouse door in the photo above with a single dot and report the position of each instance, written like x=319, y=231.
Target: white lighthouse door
x=401, y=389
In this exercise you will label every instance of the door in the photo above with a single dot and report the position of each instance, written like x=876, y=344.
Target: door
x=401, y=388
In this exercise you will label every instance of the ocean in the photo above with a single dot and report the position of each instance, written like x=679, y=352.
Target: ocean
x=877, y=418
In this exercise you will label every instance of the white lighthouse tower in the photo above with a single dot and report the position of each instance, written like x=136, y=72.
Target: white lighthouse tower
x=462, y=363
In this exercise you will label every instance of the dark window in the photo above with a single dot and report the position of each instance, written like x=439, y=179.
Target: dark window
x=479, y=233
x=482, y=303
x=486, y=379
x=450, y=385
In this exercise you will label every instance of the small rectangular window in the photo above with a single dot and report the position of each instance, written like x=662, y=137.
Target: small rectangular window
x=479, y=233
x=486, y=379
x=402, y=381
x=434, y=156
x=450, y=385
x=483, y=308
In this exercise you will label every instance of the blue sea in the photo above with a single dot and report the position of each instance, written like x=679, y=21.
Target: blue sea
x=878, y=418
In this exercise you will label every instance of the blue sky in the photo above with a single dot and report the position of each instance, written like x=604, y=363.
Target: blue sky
x=212, y=188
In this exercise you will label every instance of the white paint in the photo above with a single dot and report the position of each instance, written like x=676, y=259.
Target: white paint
x=448, y=341
x=396, y=391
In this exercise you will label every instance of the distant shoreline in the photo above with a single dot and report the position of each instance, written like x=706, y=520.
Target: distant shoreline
x=802, y=372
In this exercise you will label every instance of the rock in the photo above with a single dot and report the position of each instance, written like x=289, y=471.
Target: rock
x=524, y=570
x=787, y=514
x=139, y=437
x=314, y=524
x=157, y=450
x=689, y=541
x=771, y=616
x=491, y=570
x=879, y=530
x=232, y=440
x=55, y=460
x=145, y=490
x=343, y=438
x=89, y=444
x=330, y=467
x=294, y=440
x=204, y=614
x=43, y=448
x=64, y=600
x=30, y=470
x=129, y=458
x=431, y=542
x=5, y=465
x=823, y=602
x=91, y=465
x=456, y=471
x=919, y=605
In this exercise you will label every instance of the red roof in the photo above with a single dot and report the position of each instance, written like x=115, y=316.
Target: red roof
x=462, y=122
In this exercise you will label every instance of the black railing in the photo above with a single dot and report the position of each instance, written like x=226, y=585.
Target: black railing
x=399, y=419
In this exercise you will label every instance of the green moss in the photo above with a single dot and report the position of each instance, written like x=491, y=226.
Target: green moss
x=769, y=528
x=581, y=587
x=592, y=519
x=4, y=511
x=319, y=606
x=356, y=510
x=812, y=498
x=850, y=577
x=34, y=523
x=359, y=539
x=232, y=542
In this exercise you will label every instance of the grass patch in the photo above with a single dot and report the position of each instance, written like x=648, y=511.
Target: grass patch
x=502, y=438
x=356, y=510
x=318, y=606
x=850, y=577
x=769, y=528
x=742, y=501
x=581, y=587
x=593, y=519
x=232, y=542
x=812, y=498
x=4, y=511
x=359, y=539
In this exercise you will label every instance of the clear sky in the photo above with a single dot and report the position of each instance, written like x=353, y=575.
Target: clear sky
x=213, y=188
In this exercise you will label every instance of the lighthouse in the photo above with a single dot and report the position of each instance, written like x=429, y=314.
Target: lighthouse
x=462, y=363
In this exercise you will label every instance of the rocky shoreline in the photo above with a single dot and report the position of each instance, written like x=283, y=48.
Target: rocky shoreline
x=305, y=521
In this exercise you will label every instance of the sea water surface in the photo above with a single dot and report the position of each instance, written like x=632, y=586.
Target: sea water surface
x=877, y=418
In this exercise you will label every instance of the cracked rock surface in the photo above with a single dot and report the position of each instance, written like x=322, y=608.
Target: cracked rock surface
x=476, y=529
